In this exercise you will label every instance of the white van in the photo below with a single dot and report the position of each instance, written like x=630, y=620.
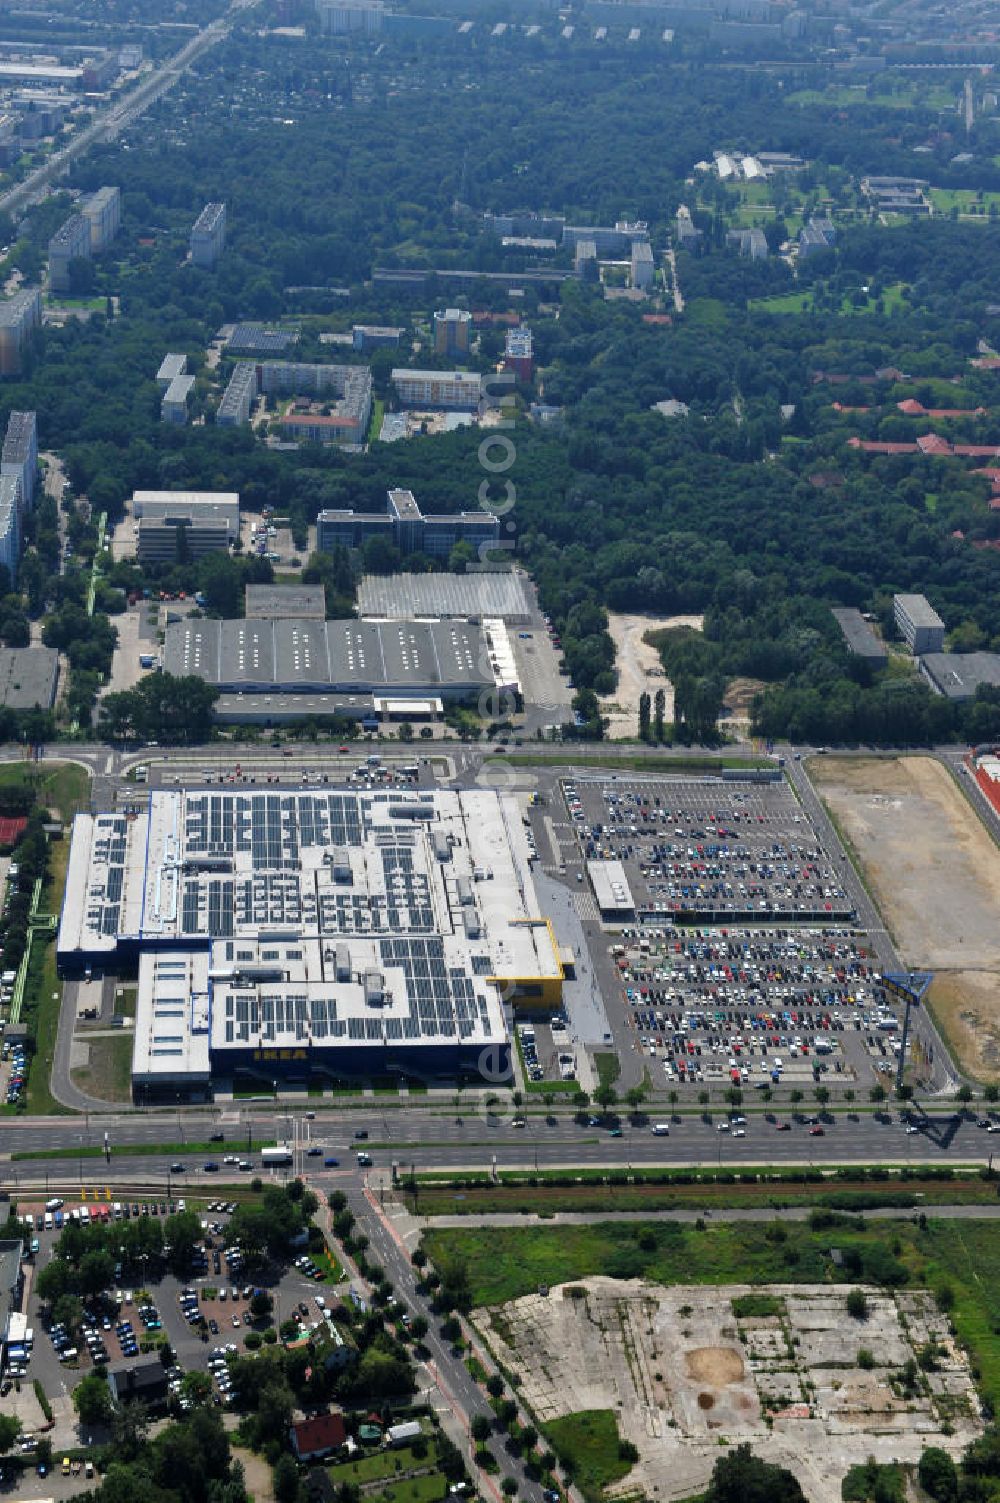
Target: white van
x=661, y=1130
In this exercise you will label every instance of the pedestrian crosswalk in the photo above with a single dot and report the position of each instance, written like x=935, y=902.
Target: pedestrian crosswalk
x=585, y=905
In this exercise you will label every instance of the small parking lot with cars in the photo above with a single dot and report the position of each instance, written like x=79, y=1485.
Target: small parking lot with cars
x=205, y=1317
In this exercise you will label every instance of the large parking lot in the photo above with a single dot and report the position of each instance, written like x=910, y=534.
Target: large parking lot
x=709, y=850
x=736, y=955
x=755, y=1006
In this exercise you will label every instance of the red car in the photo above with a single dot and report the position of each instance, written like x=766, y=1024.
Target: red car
x=782, y=1127
x=817, y=1132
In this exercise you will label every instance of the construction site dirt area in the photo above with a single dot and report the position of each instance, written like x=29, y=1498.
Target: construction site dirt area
x=639, y=669
x=935, y=873
x=686, y=1370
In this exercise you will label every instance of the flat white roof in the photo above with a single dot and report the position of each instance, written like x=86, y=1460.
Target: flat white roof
x=153, y=503
x=306, y=917
x=611, y=886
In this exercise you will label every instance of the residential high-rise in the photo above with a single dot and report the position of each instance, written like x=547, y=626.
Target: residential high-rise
x=518, y=354
x=103, y=212
x=452, y=332
x=339, y=16
x=71, y=242
x=208, y=235
x=10, y=523
x=19, y=456
x=20, y=316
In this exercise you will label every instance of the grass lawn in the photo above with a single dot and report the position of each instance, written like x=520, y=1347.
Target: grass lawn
x=797, y=302
x=150, y=1150
x=597, y=1195
x=375, y=426
x=971, y=203
x=608, y=1068
x=108, y=1072
x=588, y=1442
x=43, y=992
x=787, y=302
x=376, y=1466
x=65, y=788
x=958, y=1260
x=429, y=1488
x=61, y=785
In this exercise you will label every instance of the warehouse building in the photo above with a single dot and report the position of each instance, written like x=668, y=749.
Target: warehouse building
x=918, y=624
x=368, y=337
x=287, y=936
x=394, y=659
x=488, y=592
x=261, y=340
x=957, y=675
x=860, y=638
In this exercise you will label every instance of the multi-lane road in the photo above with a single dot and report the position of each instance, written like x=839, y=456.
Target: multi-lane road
x=424, y=1138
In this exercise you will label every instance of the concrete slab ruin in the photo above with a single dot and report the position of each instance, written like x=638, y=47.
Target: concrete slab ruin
x=686, y=1370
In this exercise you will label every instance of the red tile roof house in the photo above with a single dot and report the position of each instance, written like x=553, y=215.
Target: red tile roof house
x=316, y=1437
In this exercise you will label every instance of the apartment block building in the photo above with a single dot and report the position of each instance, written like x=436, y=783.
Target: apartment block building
x=518, y=355
x=208, y=235
x=171, y=366
x=238, y=398
x=174, y=407
x=448, y=389
x=20, y=316
x=103, y=212
x=452, y=332
x=337, y=17
x=918, y=623
x=643, y=267
x=71, y=242
x=19, y=456
x=10, y=523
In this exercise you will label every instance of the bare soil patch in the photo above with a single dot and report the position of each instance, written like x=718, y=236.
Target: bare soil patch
x=639, y=669
x=717, y=1365
x=935, y=873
